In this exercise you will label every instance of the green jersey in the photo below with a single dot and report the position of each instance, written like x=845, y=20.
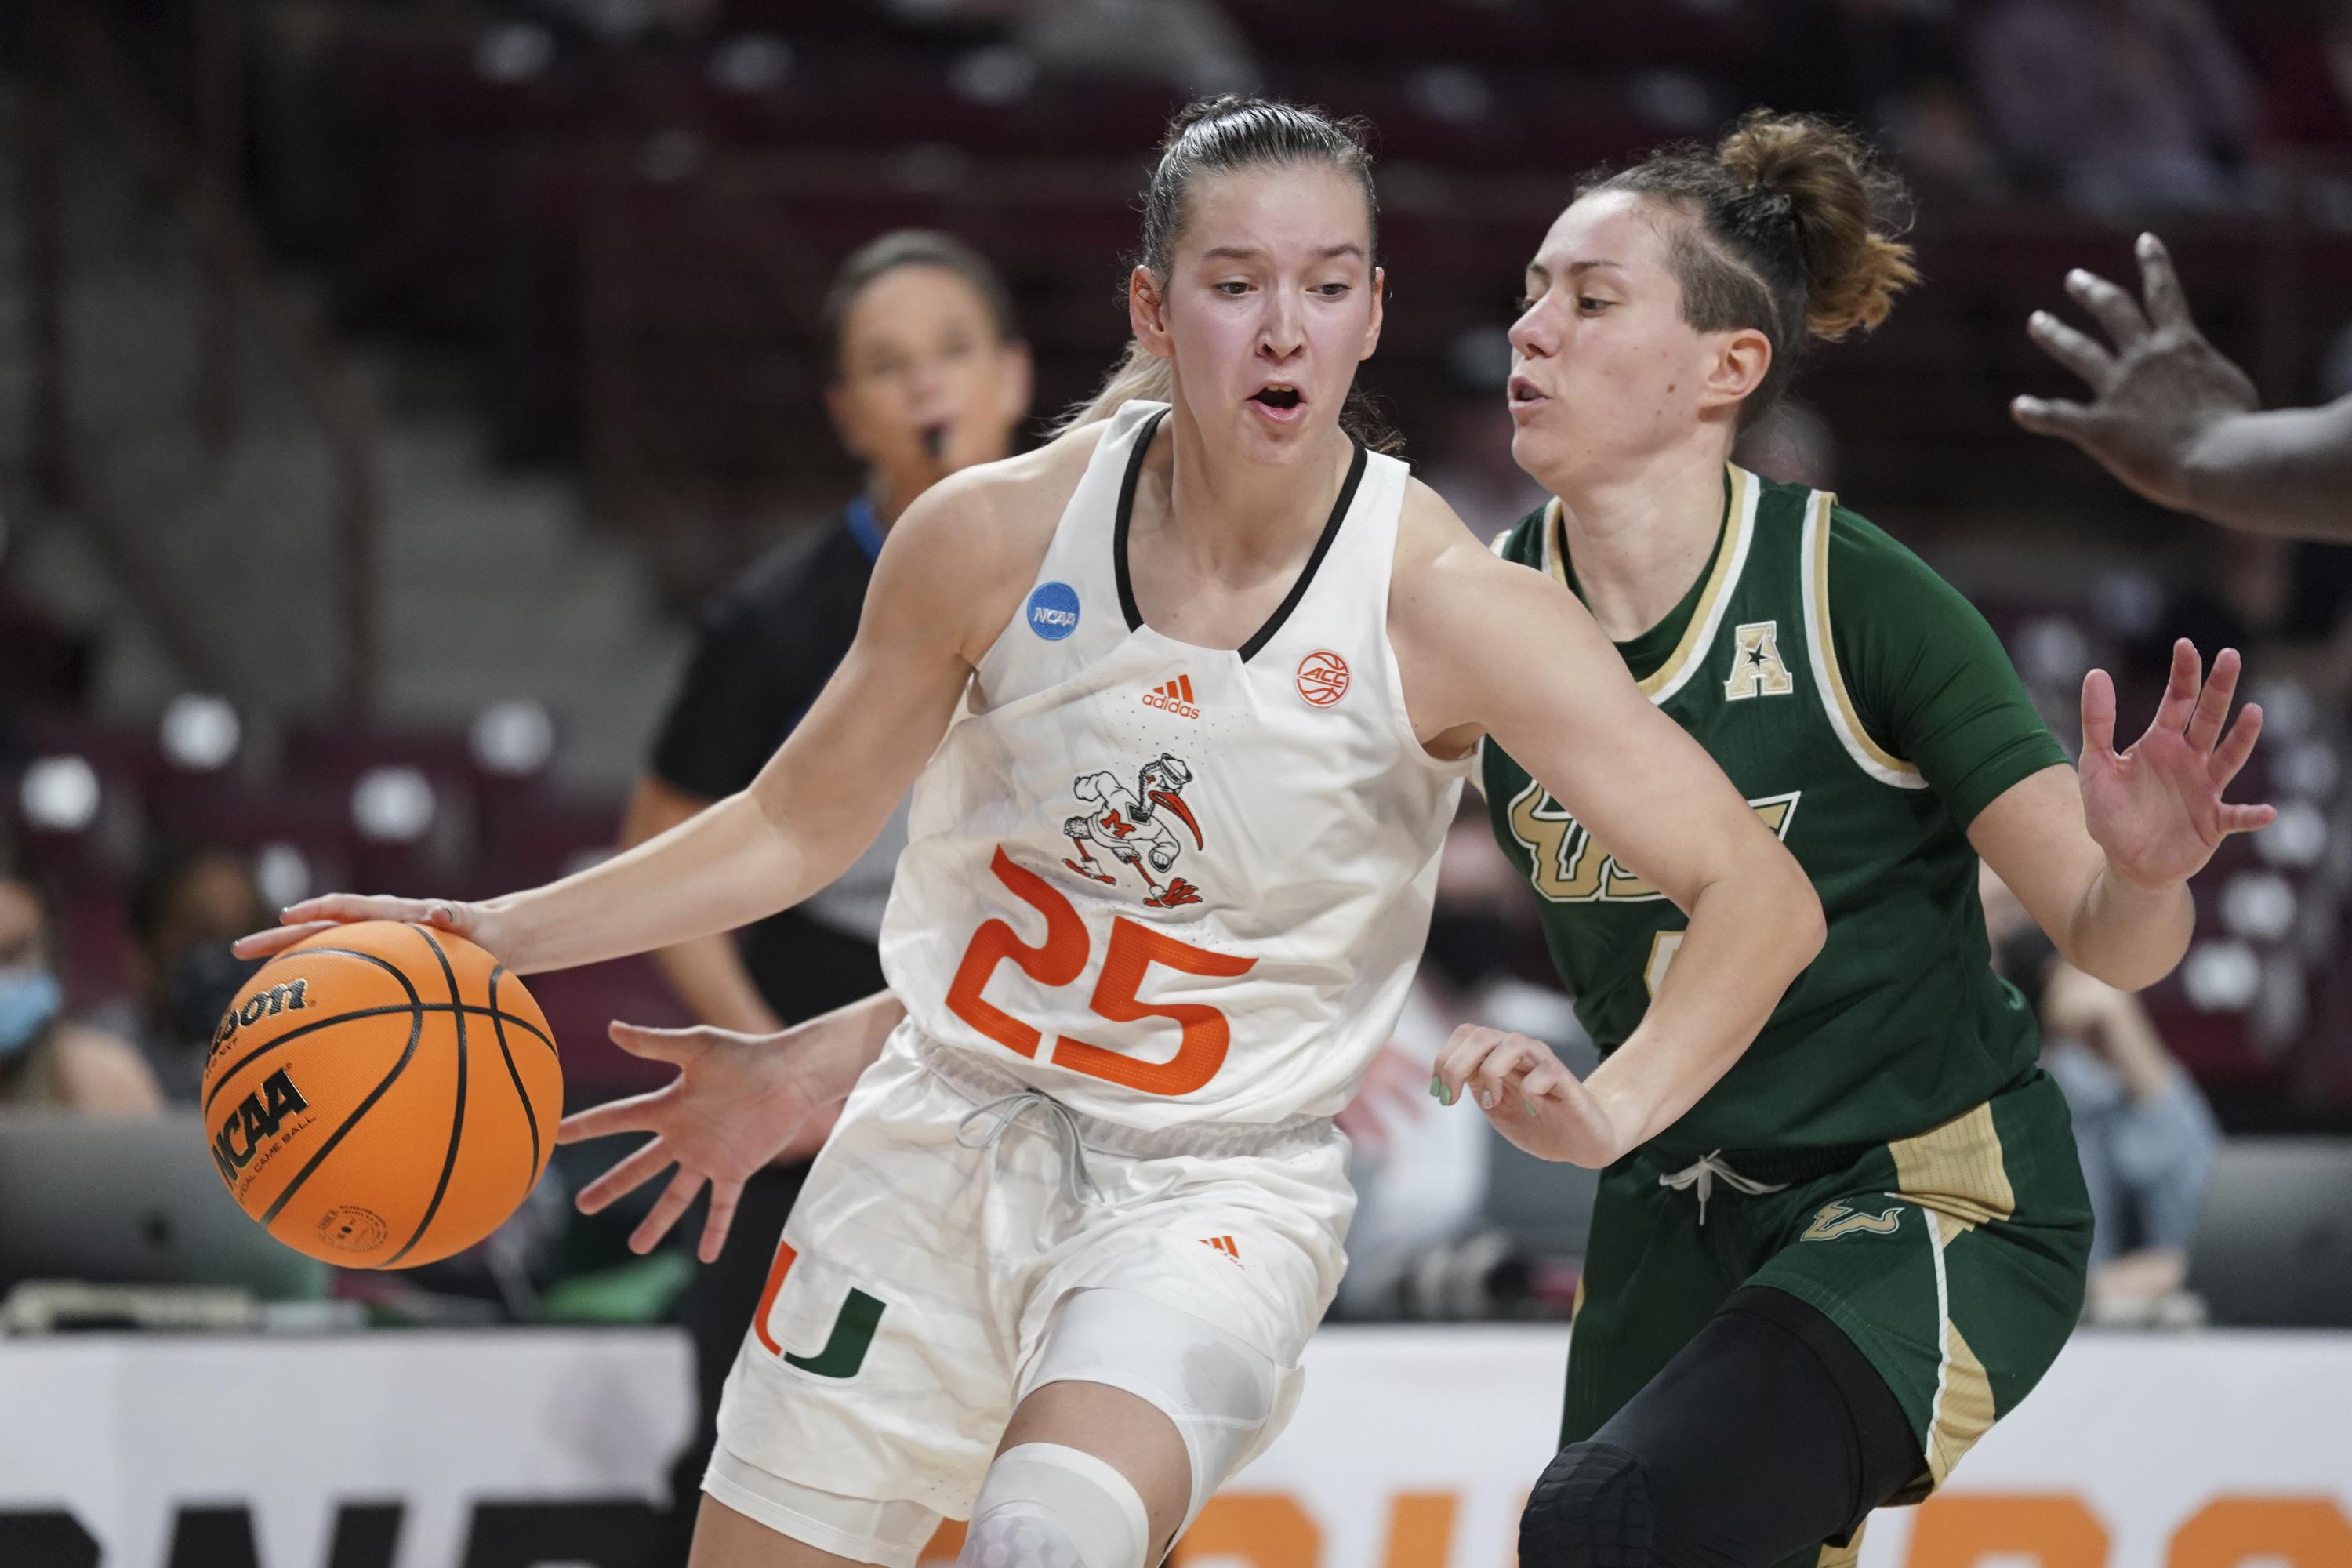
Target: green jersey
x=1867, y=713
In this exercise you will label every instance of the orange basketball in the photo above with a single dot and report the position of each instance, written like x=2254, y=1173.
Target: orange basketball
x=381, y=1095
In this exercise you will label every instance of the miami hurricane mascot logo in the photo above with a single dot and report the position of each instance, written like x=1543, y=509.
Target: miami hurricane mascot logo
x=1128, y=826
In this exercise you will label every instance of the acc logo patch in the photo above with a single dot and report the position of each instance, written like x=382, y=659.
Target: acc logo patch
x=1322, y=677
x=1053, y=610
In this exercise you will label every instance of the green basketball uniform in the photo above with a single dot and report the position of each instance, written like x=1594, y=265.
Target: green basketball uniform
x=1887, y=1149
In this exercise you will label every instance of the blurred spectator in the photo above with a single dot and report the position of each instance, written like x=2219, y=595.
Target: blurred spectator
x=186, y=904
x=2120, y=105
x=44, y=1059
x=2146, y=1135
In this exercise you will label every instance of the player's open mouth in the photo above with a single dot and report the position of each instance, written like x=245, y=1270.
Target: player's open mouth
x=1526, y=396
x=934, y=441
x=1280, y=401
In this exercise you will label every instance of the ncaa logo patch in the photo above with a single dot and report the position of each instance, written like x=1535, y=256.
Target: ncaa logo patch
x=1053, y=610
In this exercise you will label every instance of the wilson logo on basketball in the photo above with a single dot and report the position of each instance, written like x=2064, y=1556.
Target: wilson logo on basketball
x=1175, y=696
x=255, y=1121
x=1322, y=677
x=291, y=996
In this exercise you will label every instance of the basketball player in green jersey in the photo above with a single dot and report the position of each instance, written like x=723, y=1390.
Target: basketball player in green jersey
x=1867, y=1241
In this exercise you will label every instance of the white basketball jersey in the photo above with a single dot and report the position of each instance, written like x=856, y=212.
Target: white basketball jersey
x=1171, y=884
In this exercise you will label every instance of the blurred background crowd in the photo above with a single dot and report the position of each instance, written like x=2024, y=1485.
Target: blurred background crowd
x=426, y=426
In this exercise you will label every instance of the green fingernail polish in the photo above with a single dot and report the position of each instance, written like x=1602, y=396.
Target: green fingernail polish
x=1531, y=1106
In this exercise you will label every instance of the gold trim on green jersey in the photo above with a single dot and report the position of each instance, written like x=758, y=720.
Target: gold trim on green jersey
x=1868, y=754
x=1706, y=619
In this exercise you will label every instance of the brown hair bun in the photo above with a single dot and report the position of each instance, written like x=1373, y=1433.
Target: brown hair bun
x=1844, y=207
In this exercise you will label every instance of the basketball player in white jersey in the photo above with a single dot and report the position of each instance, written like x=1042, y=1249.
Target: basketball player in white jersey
x=1186, y=698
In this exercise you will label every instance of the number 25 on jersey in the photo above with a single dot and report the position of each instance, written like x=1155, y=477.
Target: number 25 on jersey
x=1061, y=958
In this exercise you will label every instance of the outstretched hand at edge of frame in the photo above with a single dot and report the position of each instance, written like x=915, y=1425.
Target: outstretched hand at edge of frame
x=2158, y=387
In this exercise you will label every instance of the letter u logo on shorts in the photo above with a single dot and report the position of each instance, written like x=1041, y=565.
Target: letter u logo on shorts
x=853, y=1328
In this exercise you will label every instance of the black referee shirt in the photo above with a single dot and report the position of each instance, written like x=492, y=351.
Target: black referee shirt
x=764, y=647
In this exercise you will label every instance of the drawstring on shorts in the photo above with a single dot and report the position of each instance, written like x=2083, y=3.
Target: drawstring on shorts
x=1007, y=1108
x=1703, y=1175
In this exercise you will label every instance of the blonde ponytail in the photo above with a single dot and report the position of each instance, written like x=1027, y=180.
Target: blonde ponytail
x=1137, y=374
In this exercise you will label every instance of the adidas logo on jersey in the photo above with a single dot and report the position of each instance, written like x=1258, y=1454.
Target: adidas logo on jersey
x=1224, y=1244
x=1176, y=696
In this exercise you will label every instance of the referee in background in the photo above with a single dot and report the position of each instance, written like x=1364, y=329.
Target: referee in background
x=930, y=375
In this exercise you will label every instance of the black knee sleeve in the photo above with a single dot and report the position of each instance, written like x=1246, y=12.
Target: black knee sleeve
x=1769, y=1432
x=1591, y=1509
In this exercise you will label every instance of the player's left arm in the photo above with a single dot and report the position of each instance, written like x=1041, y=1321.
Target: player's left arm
x=1489, y=647
x=2101, y=859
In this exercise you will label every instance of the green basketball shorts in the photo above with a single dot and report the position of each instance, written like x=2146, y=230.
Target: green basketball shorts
x=1955, y=1260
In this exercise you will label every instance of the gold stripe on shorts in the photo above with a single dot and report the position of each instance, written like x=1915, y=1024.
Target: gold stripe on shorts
x=1965, y=1412
x=1956, y=1170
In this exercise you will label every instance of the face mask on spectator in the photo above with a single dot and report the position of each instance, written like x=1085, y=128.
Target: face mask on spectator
x=204, y=981
x=29, y=999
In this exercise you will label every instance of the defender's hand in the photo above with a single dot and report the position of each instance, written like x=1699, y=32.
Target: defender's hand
x=1531, y=1098
x=329, y=911
x=2157, y=809
x=2158, y=391
x=739, y=1102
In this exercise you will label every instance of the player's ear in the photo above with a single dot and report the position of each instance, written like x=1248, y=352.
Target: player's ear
x=1380, y=312
x=1147, y=313
x=1736, y=368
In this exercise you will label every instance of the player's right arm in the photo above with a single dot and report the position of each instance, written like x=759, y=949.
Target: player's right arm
x=949, y=578
x=2180, y=424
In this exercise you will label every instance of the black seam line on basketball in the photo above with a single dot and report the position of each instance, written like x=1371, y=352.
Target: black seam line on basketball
x=221, y=1079
x=415, y=1031
x=1125, y=513
x=457, y=1116
x=1339, y=510
x=531, y=1116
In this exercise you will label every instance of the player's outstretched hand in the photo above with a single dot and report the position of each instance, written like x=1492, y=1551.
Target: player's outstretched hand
x=739, y=1102
x=2157, y=387
x=1528, y=1094
x=2157, y=809
x=329, y=911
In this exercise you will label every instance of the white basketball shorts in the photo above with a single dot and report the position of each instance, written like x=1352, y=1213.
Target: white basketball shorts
x=949, y=1212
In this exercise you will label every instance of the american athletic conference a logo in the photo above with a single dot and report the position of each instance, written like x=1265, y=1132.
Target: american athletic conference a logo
x=1053, y=610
